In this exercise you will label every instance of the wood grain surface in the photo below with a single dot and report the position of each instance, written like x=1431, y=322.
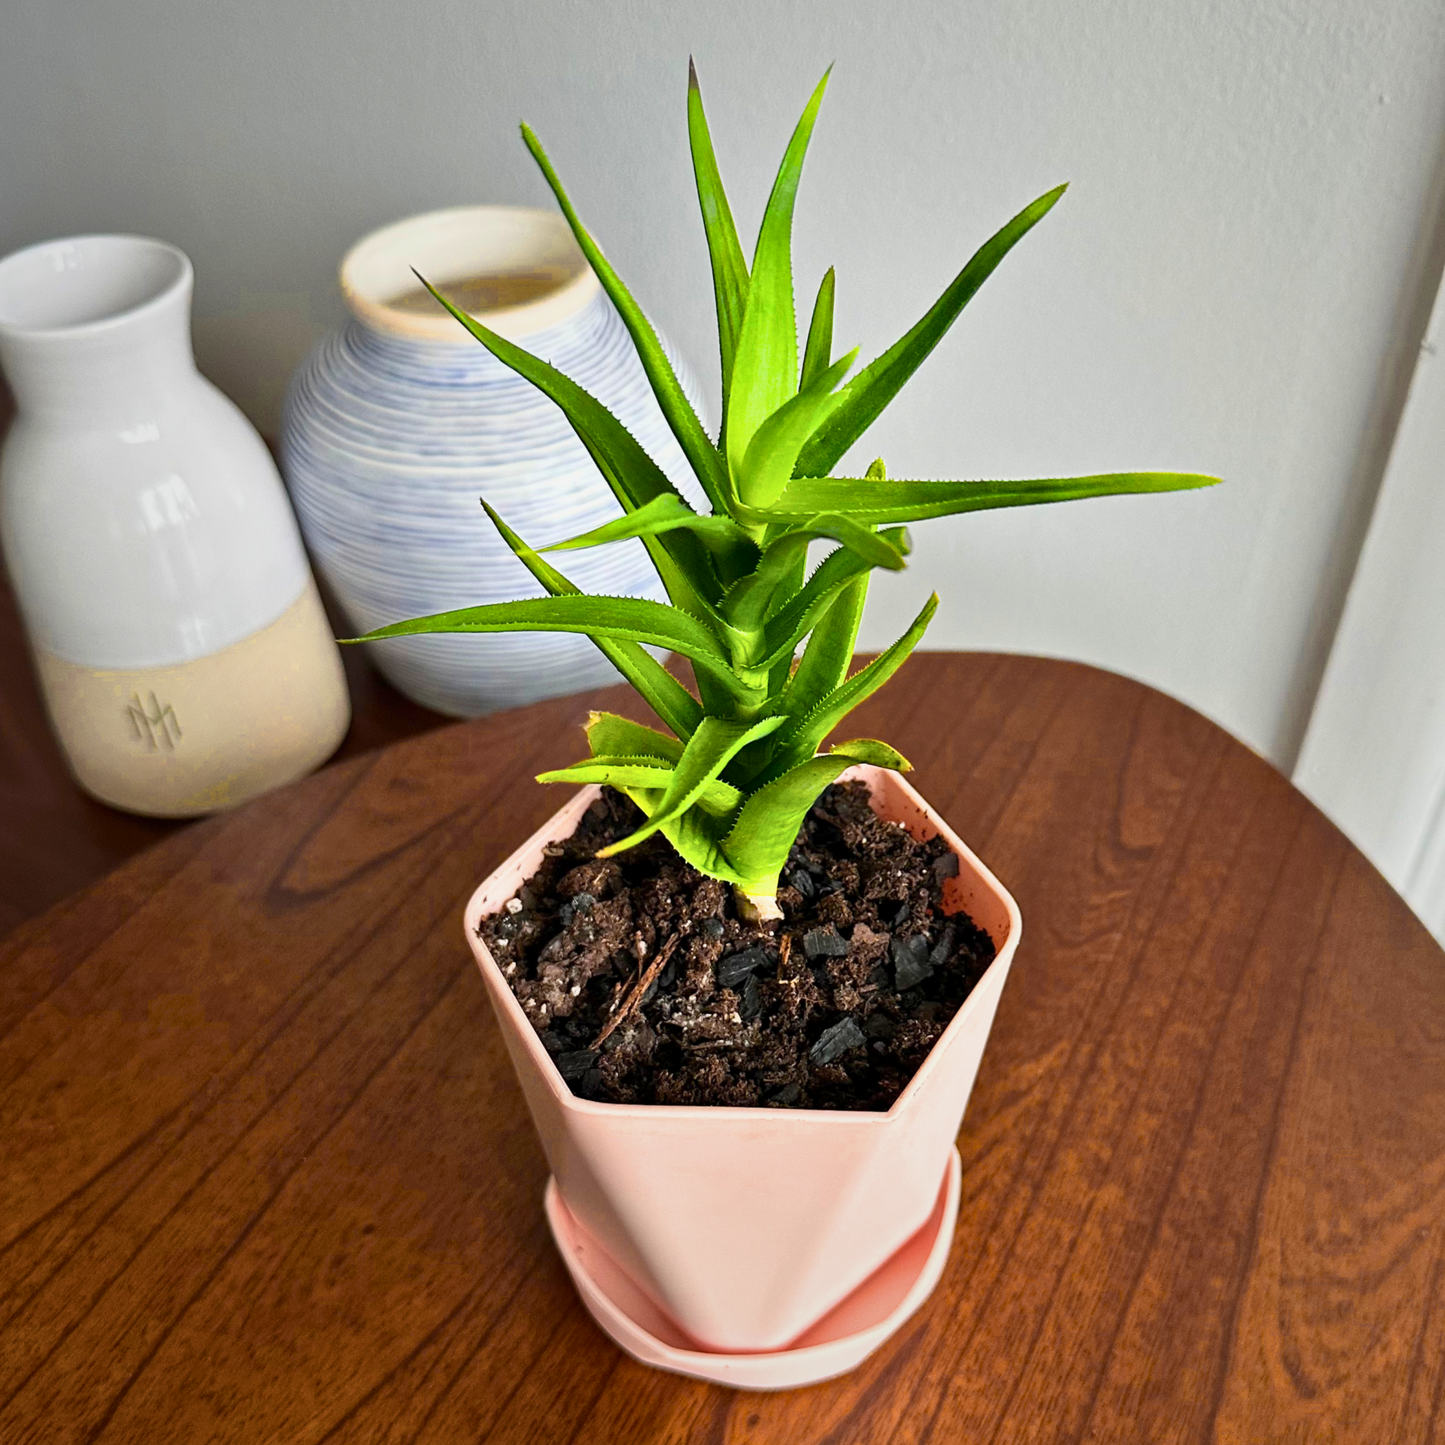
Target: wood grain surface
x=265, y=1174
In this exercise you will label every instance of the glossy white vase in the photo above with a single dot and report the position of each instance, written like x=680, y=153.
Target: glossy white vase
x=180, y=643
x=396, y=427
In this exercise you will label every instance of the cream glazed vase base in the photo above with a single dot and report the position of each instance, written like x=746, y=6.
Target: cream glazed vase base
x=843, y=1191
x=839, y=1342
x=193, y=738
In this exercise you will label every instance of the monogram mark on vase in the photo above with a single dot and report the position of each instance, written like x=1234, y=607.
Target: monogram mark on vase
x=153, y=724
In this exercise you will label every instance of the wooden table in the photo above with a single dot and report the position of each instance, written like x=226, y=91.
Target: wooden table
x=267, y=1176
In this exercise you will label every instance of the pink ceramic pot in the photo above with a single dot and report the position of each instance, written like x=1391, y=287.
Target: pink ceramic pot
x=746, y=1226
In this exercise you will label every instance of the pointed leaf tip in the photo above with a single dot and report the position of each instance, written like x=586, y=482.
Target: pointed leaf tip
x=766, y=371
x=692, y=75
x=877, y=384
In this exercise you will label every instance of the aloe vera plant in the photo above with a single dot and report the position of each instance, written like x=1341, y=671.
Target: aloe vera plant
x=730, y=782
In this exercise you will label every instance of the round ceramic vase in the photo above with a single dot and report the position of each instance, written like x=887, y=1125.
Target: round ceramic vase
x=398, y=425
x=180, y=643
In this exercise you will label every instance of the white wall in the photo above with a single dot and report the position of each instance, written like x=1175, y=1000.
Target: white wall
x=1234, y=283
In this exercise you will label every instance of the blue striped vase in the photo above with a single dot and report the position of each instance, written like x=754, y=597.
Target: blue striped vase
x=396, y=426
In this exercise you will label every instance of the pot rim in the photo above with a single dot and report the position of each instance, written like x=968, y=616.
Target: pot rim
x=449, y=243
x=832, y=1118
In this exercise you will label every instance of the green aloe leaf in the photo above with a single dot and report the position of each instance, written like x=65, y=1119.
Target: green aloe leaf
x=745, y=604
x=609, y=734
x=874, y=502
x=656, y=768
x=818, y=352
x=729, y=269
x=873, y=547
x=696, y=834
x=626, y=619
x=666, y=513
x=707, y=753
x=789, y=624
x=624, y=773
x=696, y=445
x=824, y=664
x=635, y=479
x=880, y=381
x=804, y=735
x=765, y=370
x=774, y=448
x=822, y=668
x=749, y=603
x=657, y=687
x=767, y=826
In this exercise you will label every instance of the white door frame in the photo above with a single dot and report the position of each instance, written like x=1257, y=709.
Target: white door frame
x=1374, y=753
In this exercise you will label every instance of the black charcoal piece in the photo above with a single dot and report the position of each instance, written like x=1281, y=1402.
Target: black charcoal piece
x=526, y=897
x=910, y=961
x=945, y=866
x=733, y=969
x=590, y=1086
x=751, y=1004
x=880, y=1026
x=824, y=943
x=581, y=902
x=552, y=1043
x=833, y=1043
x=576, y=1063
x=788, y=1094
x=943, y=949
x=827, y=886
x=713, y=928
x=564, y=915
x=802, y=880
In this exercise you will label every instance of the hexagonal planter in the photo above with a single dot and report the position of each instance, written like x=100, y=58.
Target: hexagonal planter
x=746, y=1226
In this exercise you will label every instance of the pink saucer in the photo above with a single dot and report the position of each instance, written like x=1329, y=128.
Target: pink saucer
x=841, y=1340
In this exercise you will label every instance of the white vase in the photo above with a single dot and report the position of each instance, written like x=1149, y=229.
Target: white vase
x=398, y=425
x=180, y=643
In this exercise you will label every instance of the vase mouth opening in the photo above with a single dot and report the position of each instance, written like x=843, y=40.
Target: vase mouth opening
x=87, y=284
x=517, y=269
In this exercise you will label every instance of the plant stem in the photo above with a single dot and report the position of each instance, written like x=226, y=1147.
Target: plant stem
x=757, y=907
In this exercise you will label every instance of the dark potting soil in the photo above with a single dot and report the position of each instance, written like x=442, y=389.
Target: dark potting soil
x=646, y=988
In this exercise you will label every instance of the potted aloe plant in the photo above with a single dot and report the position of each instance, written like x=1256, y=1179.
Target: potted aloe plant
x=740, y=903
